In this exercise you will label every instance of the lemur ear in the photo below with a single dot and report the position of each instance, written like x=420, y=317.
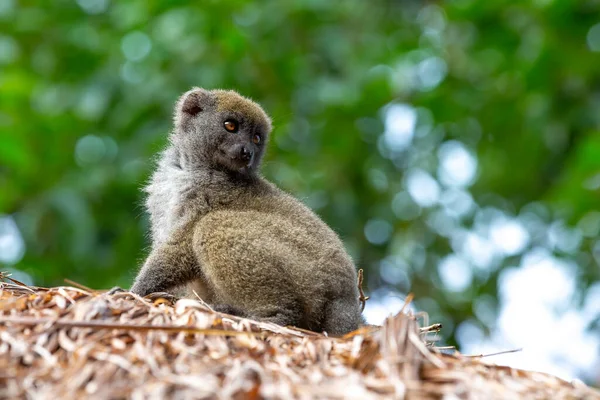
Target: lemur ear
x=194, y=101
x=190, y=104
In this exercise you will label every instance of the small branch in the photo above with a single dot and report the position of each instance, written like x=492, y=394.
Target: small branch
x=6, y=275
x=444, y=347
x=205, y=304
x=407, y=301
x=62, y=323
x=306, y=331
x=6, y=281
x=416, y=340
x=361, y=298
x=494, y=354
x=431, y=328
x=79, y=285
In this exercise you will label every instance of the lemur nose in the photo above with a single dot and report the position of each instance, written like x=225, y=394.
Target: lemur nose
x=246, y=154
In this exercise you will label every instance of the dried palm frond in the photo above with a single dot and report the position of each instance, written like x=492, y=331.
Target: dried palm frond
x=74, y=342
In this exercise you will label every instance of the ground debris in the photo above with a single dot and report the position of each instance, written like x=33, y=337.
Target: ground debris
x=73, y=342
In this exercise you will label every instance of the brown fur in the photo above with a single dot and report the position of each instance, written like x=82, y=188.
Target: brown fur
x=239, y=240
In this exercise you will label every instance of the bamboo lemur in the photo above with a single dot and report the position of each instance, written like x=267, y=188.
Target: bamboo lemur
x=242, y=242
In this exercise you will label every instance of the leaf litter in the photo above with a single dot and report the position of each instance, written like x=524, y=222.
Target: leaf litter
x=74, y=342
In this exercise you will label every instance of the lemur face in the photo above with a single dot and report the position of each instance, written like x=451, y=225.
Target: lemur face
x=221, y=128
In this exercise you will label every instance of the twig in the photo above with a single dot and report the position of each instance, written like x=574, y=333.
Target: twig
x=305, y=331
x=205, y=304
x=407, y=301
x=494, y=354
x=418, y=343
x=6, y=275
x=62, y=323
x=363, y=330
x=431, y=328
x=79, y=285
x=362, y=298
x=15, y=287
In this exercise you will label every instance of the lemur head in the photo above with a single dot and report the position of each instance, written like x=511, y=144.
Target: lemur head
x=220, y=129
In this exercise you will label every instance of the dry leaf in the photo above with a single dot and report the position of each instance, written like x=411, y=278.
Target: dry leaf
x=71, y=342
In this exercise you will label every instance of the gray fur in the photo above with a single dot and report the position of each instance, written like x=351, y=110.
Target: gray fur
x=241, y=242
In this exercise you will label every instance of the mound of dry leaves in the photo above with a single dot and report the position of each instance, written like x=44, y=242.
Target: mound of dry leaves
x=69, y=342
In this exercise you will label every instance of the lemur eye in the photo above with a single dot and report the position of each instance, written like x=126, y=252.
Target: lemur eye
x=256, y=139
x=231, y=125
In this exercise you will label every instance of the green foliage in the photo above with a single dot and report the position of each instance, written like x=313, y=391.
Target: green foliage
x=87, y=90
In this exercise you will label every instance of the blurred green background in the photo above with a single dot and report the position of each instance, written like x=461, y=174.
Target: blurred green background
x=455, y=147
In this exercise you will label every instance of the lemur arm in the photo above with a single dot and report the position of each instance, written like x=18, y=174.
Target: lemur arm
x=168, y=265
